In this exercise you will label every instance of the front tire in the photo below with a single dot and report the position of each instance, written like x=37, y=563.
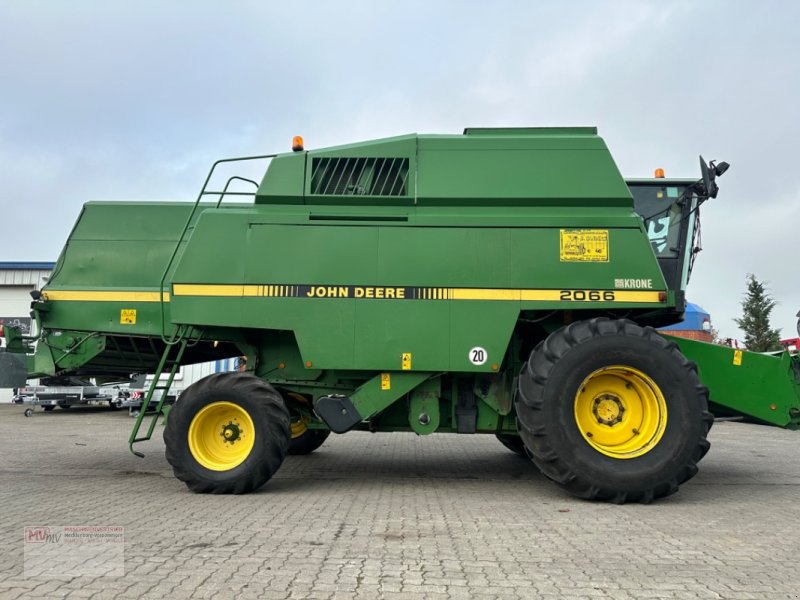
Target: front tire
x=613, y=411
x=228, y=434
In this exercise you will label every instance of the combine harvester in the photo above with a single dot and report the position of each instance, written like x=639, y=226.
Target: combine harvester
x=503, y=281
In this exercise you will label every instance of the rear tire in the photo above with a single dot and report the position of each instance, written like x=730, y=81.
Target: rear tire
x=48, y=408
x=304, y=440
x=513, y=443
x=228, y=434
x=613, y=411
x=308, y=441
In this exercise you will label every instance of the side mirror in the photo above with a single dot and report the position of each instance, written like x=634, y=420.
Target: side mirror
x=720, y=168
x=707, y=181
x=710, y=172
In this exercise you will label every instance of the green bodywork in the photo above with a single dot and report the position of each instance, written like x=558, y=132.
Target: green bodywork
x=762, y=387
x=412, y=274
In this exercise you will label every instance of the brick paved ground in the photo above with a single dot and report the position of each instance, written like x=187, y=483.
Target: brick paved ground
x=399, y=516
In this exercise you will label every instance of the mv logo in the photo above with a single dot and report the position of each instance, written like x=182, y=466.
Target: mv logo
x=40, y=535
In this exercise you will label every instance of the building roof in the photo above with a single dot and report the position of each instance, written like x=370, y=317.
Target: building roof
x=27, y=266
x=693, y=320
x=25, y=273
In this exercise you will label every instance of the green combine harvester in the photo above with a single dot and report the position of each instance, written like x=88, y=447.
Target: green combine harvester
x=503, y=281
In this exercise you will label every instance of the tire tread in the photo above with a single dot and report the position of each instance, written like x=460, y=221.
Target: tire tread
x=277, y=423
x=530, y=401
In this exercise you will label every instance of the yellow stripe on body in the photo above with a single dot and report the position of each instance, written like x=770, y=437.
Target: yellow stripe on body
x=186, y=289
x=485, y=294
x=551, y=295
x=631, y=296
x=103, y=296
x=541, y=295
x=283, y=291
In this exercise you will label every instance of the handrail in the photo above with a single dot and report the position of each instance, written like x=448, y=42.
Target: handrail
x=225, y=191
x=202, y=193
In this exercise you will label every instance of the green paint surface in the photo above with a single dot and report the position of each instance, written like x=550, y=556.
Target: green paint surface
x=370, y=276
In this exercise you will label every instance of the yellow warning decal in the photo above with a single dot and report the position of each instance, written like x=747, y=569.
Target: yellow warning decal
x=584, y=245
x=737, y=358
x=386, y=381
x=127, y=316
x=405, y=361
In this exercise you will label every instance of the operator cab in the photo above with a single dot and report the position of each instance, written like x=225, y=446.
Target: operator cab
x=670, y=209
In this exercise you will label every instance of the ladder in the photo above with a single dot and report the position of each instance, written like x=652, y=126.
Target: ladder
x=178, y=342
x=179, y=338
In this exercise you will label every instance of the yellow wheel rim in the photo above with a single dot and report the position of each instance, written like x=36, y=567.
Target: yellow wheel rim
x=620, y=412
x=299, y=424
x=221, y=436
x=299, y=427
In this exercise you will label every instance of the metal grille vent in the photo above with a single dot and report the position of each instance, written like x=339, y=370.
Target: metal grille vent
x=359, y=176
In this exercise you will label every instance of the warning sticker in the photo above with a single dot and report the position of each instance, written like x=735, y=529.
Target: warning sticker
x=386, y=381
x=584, y=245
x=737, y=358
x=127, y=316
x=405, y=361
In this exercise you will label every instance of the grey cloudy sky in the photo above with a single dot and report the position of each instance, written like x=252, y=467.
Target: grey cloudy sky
x=134, y=100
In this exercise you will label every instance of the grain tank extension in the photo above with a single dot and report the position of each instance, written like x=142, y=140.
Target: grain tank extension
x=503, y=281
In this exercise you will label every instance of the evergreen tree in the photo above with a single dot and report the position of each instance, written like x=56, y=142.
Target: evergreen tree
x=756, y=308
